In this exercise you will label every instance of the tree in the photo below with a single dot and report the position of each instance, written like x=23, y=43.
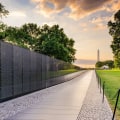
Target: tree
x=114, y=31
x=3, y=11
x=99, y=64
x=51, y=41
x=15, y=36
x=55, y=43
x=24, y=36
x=109, y=63
x=3, y=28
x=31, y=29
x=32, y=33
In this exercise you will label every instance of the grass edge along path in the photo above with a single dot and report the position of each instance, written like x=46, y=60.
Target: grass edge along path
x=58, y=73
x=112, y=85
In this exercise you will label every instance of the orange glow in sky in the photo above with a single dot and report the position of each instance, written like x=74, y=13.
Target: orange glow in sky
x=83, y=20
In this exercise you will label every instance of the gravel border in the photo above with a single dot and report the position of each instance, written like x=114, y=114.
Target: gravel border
x=11, y=107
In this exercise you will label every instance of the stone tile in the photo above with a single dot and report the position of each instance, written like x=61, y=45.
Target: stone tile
x=65, y=101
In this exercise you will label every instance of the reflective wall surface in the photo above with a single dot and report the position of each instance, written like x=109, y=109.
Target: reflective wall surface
x=23, y=71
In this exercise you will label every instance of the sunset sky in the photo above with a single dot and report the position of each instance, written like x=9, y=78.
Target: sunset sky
x=83, y=20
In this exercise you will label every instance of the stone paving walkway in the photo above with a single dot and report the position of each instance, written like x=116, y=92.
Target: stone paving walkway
x=78, y=99
x=60, y=102
x=93, y=108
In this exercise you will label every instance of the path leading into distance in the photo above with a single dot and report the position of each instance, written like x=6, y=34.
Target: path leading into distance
x=78, y=99
x=93, y=107
x=63, y=102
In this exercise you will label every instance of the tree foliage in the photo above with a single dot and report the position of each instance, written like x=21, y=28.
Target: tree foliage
x=55, y=43
x=49, y=40
x=114, y=31
x=3, y=28
x=3, y=11
x=98, y=64
x=109, y=63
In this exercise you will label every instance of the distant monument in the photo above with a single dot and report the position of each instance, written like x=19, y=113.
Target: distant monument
x=98, y=55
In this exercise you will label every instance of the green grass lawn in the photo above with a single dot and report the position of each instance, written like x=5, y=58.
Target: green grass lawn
x=64, y=72
x=112, y=85
x=58, y=73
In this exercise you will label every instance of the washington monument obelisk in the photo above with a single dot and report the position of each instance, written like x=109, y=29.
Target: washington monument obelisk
x=98, y=55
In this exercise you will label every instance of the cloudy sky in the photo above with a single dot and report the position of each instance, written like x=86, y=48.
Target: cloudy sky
x=83, y=20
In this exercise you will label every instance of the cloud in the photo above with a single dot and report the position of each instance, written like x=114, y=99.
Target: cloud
x=115, y=6
x=87, y=7
x=17, y=14
x=83, y=25
x=78, y=8
x=100, y=19
x=100, y=26
x=99, y=22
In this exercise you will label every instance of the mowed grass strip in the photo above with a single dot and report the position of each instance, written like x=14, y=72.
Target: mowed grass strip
x=58, y=73
x=112, y=85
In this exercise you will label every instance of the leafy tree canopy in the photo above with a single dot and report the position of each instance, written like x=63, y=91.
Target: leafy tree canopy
x=49, y=40
x=114, y=31
x=55, y=43
x=109, y=63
